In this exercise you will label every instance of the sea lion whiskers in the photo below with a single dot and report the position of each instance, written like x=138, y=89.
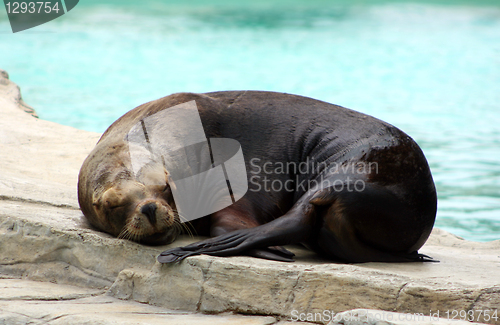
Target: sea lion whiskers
x=125, y=234
x=182, y=224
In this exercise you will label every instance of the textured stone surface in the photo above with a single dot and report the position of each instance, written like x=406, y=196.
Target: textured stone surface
x=311, y=285
x=28, y=302
x=44, y=237
x=12, y=93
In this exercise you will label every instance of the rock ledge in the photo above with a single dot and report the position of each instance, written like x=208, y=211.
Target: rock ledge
x=44, y=237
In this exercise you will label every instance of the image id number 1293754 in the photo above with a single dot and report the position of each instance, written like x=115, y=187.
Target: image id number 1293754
x=23, y=7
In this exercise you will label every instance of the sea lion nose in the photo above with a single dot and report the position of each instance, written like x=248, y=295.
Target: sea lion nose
x=149, y=210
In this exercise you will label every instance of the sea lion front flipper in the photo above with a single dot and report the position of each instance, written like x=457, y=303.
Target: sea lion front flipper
x=281, y=231
x=174, y=255
x=281, y=250
x=293, y=227
x=272, y=253
x=216, y=246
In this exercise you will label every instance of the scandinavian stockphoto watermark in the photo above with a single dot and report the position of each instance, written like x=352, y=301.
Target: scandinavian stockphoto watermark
x=205, y=175
x=361, y=316
x=28, y=14
x=309, y=175
x=364, y=316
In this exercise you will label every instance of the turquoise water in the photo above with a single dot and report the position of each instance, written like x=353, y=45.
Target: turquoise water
x=433, y=70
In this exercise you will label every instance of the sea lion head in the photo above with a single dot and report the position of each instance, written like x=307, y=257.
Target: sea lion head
x=135, y=206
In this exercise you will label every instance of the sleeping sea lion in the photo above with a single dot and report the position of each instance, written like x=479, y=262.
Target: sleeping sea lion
x=344, y=184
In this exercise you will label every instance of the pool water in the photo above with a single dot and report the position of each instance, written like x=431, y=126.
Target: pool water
x=433, y=70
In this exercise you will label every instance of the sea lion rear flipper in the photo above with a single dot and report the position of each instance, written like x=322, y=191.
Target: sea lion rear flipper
x=417, y=257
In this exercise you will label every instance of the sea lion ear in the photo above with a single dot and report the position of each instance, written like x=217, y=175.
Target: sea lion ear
x=112, y=198
x=96, y=201
x=168, y=178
